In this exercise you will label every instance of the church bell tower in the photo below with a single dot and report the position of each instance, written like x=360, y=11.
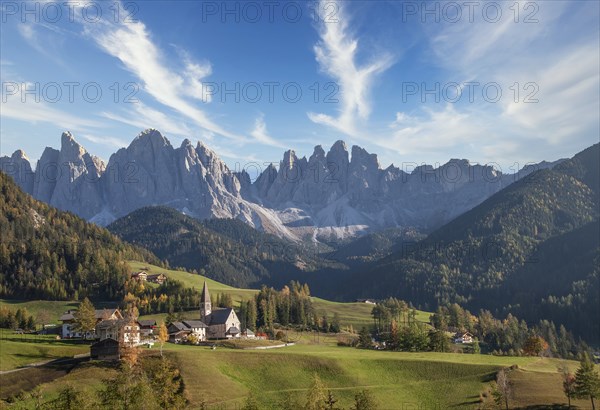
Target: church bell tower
x=205, y=305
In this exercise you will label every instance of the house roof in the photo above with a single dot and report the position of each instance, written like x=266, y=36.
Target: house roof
x=147, y=322
x=249, y=332
x=139, y=273
x=180, y=326
x=106, y=342
x=219, y=316
x=66, y=316
x=195, y=323
x=98, y=313
x=101, y=312
x=112, y=322
x=233, y=330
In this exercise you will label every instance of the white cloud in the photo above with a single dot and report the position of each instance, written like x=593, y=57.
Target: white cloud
x=141, y=116
x=105, y=140
x=336, y=54
x=132, y=44
x=261, y=135
x=34, y=112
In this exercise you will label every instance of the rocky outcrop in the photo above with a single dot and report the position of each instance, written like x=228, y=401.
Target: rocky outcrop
x=331, y=194
x=19, y=168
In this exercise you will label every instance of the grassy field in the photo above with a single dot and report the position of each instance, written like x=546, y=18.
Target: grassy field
x=354, y=314
x=351, y=314
x=191, y=280
x=54, y=308
x=17, y=350
x=224, y=377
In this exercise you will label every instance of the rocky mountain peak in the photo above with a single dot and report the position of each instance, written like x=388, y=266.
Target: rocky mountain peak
x=70, y=149
x=318, y=153
x=331, y=194
x=19, y=155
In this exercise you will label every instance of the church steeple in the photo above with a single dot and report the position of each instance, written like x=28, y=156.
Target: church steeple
x=205, y=304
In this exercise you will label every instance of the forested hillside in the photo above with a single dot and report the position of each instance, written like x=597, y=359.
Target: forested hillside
x=226, y=250
x=50, y=254
x=532, y=248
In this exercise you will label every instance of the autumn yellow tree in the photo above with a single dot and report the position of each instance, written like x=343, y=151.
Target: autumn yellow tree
x=163, y=336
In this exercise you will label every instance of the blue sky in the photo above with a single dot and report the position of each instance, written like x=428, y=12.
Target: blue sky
x=363, y=69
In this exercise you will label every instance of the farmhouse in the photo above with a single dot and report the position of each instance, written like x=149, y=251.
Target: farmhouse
x=463, y=338
x=147, y=327
x=180, y=331
x=107, y=349
x=125, y=330
x=140, y=276
x=68, y=321
x=159, y=279
x=222, y=323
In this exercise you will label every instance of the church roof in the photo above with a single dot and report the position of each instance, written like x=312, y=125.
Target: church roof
x=220, y=316
x=233, y=330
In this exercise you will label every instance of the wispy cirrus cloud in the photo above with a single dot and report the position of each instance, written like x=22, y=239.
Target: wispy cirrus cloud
x=139, y=115
x=177, y=87
x=33, y=112
x=549, y=75
x=261, y=135
x=336, y=53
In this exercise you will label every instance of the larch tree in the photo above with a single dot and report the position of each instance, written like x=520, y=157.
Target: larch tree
x=163, y=336
x=316, y=398
x=85, y=317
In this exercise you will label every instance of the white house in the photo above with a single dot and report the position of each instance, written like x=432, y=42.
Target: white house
x=463, y=338
x=180, y=331
x=122, y=330
x=68, y=322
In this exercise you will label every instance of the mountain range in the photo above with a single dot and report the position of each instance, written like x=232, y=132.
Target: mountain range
x=329, y=196
x=532, y=248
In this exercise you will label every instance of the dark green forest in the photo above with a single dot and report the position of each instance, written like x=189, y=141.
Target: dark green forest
x=49, y=254
x=531, y=249
x=226, y=250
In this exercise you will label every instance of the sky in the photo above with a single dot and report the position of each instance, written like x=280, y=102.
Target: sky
x=502, y=83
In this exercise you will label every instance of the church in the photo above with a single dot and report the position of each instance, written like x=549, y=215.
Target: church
x=222, y=323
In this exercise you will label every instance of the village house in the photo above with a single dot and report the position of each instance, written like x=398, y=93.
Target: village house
x=107, y=349
x=68, y=322
x=147, y=327
x=248, y=334
x=159, y=278
x=122, y=330
x=181, y=331
x=222, y=323
x=178, y=332
x=463, y=338
x=140, y=276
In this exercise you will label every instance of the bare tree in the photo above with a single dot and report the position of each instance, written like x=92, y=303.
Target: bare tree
x=568, y=382
x=503, y=391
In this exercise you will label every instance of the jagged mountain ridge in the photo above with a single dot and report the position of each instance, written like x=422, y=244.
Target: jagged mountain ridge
x=328, y=196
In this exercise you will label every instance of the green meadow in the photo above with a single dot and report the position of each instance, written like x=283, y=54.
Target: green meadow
x=224, y=377
x=351, y=314
x=17, y=350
